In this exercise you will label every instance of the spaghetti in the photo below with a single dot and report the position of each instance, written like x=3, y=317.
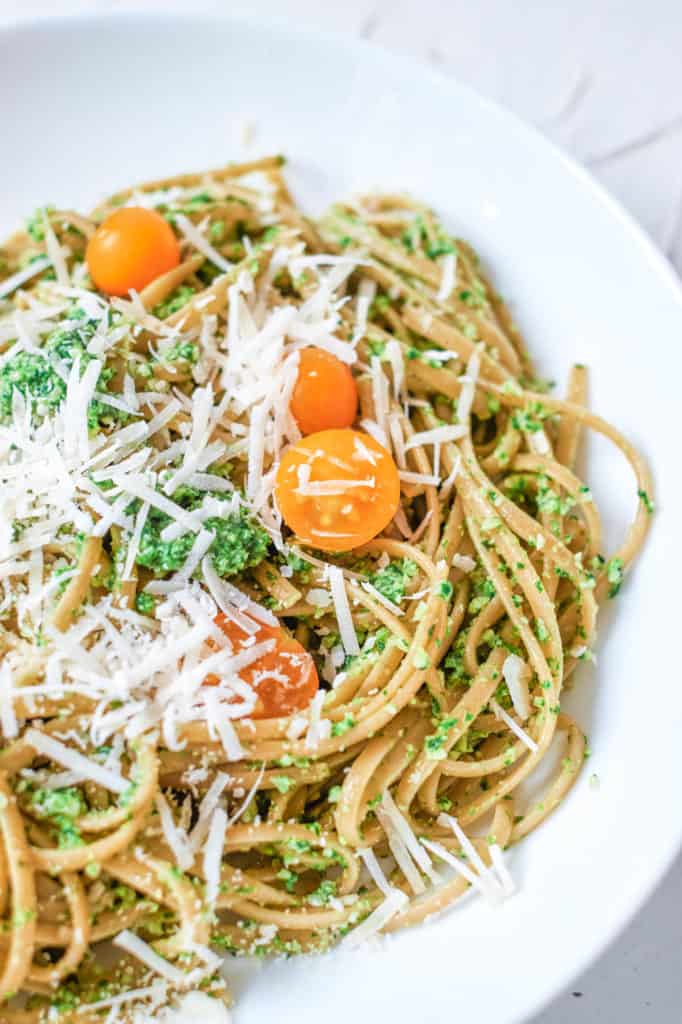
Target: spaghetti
x=220, y=735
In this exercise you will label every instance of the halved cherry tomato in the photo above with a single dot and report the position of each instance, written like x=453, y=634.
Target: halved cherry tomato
x=337, y=489
x=285, y=679
x=325, y=395
x=131, y=248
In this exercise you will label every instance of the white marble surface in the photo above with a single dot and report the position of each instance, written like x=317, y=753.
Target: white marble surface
x=603, y=79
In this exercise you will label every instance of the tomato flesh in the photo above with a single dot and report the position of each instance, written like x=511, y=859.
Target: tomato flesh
x=284, y=679
x=337, y=489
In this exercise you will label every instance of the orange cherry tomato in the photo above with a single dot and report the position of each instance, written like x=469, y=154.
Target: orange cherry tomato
x=131, y=248
x=285, y=679
x=337, y=489
x=325, y=394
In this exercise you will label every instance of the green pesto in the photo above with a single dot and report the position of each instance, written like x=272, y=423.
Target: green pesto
x=282, y=783
x=239, y=543
x=646, y=501
x=30, y=374
x=144, y=603
x=529, y=419
x=61, y=807
x=178, y=298
x=541, y=631
x=300, y=566
x=186, y=351
x=392, y=581
x=483, y=590
x=614, y=574
x=421, y=659
x=346, y=723
x=36, y=377
x=434, y=745
x=323, y=894
x=287, y=760
x=35, y=224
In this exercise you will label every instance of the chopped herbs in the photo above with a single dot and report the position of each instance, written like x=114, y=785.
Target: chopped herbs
x=646, y=501
x=346, y=723
x=392, y=582
x=175, y=301
x=614, y=574
x=239, y=541
x=434, y=745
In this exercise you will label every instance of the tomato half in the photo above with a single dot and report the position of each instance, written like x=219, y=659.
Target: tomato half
x=337, y=489
x=285, y=679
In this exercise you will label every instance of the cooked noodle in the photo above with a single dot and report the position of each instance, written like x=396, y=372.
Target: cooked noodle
x=127, y=728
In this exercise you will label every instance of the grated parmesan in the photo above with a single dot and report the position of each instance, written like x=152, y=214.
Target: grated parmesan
x=192, y=234
x=71, y=759
x=464, y=563
x=14, y=281
x=515, y=672
x=500, y=713
x=342, y=610
x=213, y=853
x=143, y=952
x=378, y=919
x=448, y=277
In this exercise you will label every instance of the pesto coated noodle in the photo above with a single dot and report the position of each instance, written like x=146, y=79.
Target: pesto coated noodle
x=219, y=736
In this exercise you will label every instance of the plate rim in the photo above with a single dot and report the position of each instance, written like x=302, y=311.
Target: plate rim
x=20, y=23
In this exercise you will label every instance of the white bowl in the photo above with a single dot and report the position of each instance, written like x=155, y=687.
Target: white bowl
x=98, y=102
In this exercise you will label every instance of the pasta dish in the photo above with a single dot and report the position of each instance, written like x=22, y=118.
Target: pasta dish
x=295, y=566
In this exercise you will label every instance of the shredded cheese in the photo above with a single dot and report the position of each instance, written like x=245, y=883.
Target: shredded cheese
x=138, y=948
x=471, y=877
x=206, y=809
x=318, y=729
x=55, y=252
x=506, y=880
x=464, y=563
x=438, y=435
x=213, y=853
x=515, y=672
x=378, y=596
x=342, y=610
x=539, y=442
x=426, y=479
x=134, y=545
x=71, y=759
x=449, y=482
x=378, y=919
x=448, y=277
x=14, y=281
x=514, y=726
x=200, y=243
x=367, y=290
x=402, y=826
x=370, y=861
x=175, y=836
x=468, y=382
x=228, y=737
x=8, y=718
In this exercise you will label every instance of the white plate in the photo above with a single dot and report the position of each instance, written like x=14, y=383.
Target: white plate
x=99, y=102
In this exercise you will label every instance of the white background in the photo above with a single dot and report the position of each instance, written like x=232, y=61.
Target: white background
x=603, y=78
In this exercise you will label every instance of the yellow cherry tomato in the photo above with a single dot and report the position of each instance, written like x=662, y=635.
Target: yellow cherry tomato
x=337, y=489
x=131, y=248
x=325, y=394
x=285, y=679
